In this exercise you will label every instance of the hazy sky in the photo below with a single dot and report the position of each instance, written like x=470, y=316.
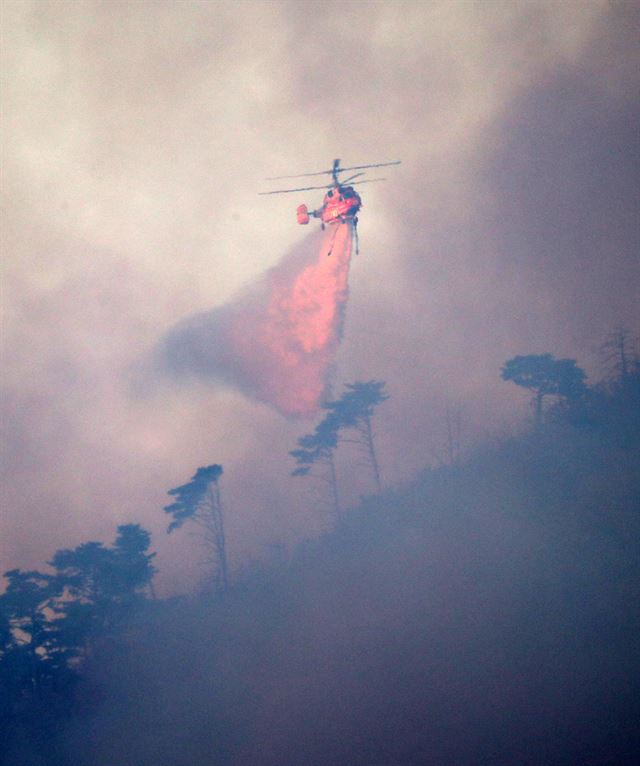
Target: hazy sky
x=134, y=139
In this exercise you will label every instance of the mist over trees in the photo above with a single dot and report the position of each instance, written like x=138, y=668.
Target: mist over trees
x=485, y=612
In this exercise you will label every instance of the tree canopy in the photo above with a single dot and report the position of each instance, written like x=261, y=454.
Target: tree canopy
x=546, y=376
x=357, y=403
x=316, y=447
x=191, y=496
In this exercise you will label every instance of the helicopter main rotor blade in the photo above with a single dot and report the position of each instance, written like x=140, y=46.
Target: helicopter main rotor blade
x=329, y=186
x=301, y=175
x=376, y=165
x=337, y=170
x=304, y=188
x=348, y=180
x=369, y=181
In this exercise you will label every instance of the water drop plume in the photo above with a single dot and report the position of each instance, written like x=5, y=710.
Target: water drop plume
x=277, y=340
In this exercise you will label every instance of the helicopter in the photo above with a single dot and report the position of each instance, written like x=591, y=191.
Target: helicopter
x=341, y=202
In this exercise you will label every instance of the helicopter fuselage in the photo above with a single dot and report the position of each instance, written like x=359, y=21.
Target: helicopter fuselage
x=340, y=204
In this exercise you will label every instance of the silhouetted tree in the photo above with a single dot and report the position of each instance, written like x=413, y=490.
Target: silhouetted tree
x=545, y=376
x=450, y=455
x=318, y=448
x=6, y=637
x=454, y=431
x=618, y=353
x=354, y=410
x=36, y=679
x=7, y=643
x=32, y=654
x=103, y=585
x=199, y=502
x=47, y=621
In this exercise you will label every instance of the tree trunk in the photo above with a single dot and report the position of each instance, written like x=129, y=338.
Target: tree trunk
x=538, y=404
x=334, y=486
x=368, y=435
x=216, y=525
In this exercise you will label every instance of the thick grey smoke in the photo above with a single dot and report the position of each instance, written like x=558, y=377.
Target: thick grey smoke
x=134, y=140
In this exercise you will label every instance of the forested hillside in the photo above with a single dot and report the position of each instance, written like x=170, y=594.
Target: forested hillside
x=487, y=612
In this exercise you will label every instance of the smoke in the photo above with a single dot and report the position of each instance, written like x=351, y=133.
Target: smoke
x=134, y=139
x=278, y=339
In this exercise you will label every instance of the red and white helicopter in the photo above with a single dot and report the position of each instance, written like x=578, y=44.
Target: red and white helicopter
x=341, y=202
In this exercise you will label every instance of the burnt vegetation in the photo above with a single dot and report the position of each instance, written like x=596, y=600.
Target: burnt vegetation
x=486, y=612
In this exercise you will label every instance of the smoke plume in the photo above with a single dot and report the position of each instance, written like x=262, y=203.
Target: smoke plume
x=278, y=339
